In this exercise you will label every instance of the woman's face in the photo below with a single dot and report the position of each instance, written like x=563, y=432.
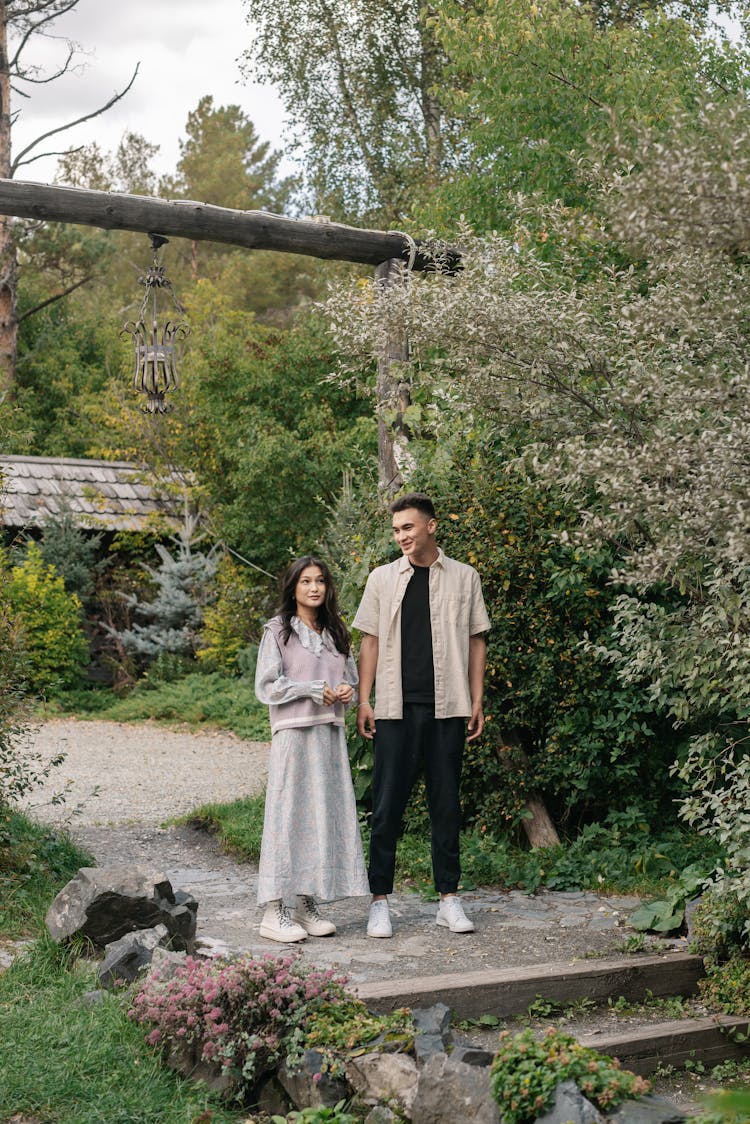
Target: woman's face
x=310, y=590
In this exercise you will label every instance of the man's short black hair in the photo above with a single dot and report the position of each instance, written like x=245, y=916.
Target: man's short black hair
x=419, y=500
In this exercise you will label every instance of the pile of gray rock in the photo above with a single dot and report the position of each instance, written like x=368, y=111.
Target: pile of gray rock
x=140, y=922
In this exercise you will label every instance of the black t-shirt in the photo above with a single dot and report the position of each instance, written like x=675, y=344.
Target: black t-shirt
x=417, y=671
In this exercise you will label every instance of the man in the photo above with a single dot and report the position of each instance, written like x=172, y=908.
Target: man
x=423, y=619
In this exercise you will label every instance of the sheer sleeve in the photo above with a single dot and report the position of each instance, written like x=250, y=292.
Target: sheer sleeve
x=271, y=685
x=351, y=676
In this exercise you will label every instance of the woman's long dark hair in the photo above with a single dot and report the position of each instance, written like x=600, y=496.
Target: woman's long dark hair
x=328, y=613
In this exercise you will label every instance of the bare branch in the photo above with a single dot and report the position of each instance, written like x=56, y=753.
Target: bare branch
x=33, y=28
x=54, y=152
x=63, y=128
x=25, y=76
x=55, y=297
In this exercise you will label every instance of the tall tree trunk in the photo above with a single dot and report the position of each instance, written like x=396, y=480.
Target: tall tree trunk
x=392, y=394
x=537, y=823
x=432, y=112
x=8, y=260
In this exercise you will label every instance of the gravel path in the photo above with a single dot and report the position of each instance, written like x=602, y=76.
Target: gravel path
x=124, y=773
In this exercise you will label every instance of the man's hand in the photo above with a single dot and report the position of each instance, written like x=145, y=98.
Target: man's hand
x=366, y=720
x=476, y=722
x=345, y=693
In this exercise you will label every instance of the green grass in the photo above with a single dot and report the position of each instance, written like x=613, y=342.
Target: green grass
x=35, y=862
x=239, y=825
x=195, y=700
x=65, y=1063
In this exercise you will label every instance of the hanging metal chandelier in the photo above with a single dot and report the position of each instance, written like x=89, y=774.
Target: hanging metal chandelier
x=154, y=344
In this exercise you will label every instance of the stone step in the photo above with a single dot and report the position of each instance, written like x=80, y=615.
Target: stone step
x=510, y=991
x=643, y=1049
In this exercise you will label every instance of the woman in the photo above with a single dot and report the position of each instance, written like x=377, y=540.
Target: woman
x=306, y=675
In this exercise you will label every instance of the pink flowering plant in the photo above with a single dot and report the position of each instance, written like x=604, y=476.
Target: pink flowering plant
x=239, y=1015
x=527, y=1070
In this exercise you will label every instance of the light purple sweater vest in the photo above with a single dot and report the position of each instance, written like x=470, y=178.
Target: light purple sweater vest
x=302, y=666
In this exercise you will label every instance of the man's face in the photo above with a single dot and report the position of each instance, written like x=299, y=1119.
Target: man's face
x=415, y=534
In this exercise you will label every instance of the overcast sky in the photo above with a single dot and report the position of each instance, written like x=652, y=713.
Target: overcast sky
x=186, y=49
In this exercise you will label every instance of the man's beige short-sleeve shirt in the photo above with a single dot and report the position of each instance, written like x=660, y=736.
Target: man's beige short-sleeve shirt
x=457, y=612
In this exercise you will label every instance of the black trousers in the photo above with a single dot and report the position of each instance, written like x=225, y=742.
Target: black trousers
x=401, y=747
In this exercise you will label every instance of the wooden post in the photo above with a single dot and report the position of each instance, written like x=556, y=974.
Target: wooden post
x=392, y=395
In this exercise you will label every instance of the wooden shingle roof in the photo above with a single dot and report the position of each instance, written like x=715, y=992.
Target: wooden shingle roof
x=102, y=495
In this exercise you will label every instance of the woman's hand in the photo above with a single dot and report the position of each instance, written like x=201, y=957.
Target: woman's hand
x=329, y=695
x=345, y=693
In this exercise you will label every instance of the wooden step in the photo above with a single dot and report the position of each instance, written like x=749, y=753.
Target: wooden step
x=510, y=991
x=708, y=1040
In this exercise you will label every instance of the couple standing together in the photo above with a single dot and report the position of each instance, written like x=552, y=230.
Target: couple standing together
x=423, y=622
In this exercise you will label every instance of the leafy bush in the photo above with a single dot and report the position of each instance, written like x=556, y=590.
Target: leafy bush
x=717, y=926
x=664, y=915
x=581, y=738
x=235, y=618
x=341, y=1029
x=241, y=1015
x=525, y=1073
x=49, y=621
x=16, y=777
x=727, y=986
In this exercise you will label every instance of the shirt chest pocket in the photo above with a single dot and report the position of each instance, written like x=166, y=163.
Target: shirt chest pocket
x=454, y=610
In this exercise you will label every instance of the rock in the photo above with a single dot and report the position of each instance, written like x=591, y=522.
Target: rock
x=124, y=960
x=433, y=1020
x=570, y=1107
x=211, y=949
x=450, y=1091
x=426, y=1046
x=102, y=904
x=186, y=1060
x=472, y=1055
x=308, y=1085
x=433, y=1026
x=647, y=1110
x=381, y=1115
x=384, y=1077
x=270, y=1098
x=166, y=962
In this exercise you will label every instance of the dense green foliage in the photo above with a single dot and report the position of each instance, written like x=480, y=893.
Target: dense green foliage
x=49, y=621
x=526, y=1072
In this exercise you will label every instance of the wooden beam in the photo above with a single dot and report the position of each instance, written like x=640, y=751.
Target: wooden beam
x=708, y=1040
x=509, y=991
x=254, y=230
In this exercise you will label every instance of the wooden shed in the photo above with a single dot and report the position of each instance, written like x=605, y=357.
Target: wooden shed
x=100, y=495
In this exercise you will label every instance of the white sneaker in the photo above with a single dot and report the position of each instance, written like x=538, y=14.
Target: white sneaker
x=308, y=916
x=277, y=924
x=451, y=915
x=379, y=922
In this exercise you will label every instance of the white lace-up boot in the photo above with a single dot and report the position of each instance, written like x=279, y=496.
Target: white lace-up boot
x=451, y=915
x=277, y=924
x=309, y=917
